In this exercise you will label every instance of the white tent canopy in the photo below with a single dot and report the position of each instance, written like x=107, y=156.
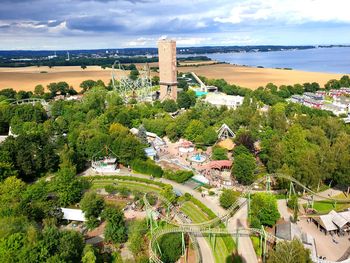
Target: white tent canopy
x=73, y=214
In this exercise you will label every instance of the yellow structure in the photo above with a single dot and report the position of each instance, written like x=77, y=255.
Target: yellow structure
x=167, y=69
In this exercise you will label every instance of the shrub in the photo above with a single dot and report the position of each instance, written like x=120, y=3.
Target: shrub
x=211, y=193
x=147, y=167
x=110, y=189
x=123, y=191
x=219, y=154
x=178, y=176
x=228, y=197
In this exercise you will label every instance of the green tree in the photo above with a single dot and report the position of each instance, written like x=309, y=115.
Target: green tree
x=194, y=129
x=243, y=168
x=87, y=85
x=209, y=136
x=264, y=209
x=92, y=206
x=170, y=245
x=67, y=186
x=89, y=254
x=289, y=252
x=115, y=230
x=134, y=74
x=219, y=153
x=39, y=90
x=228, y=197
x=184, y=100
x=169, y=105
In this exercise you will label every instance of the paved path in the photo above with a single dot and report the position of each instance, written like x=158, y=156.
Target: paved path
x=205, y=250
x=245, y=245
x=283, y=209
x=245, y=248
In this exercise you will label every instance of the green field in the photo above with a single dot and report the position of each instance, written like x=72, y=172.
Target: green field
x=325, y=206
x=132, y=185
x=224, y=245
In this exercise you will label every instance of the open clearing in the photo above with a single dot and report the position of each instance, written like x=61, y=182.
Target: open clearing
x=27, y=78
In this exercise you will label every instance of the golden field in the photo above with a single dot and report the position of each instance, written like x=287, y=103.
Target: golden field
x=253, y=78
x=27, y=78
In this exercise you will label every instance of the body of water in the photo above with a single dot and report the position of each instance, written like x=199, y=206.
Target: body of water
x=332, y=60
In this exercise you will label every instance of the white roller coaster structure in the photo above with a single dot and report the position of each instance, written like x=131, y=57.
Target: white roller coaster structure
x=140, y=89
x=206, y=227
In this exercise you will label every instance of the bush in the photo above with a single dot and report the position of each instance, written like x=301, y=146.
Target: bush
x=178, y=176
x=211, y=193
x=123, y=191
x=170, y=245
x=110, y=189
x=147, y=167
x=219, y=154
x=228, y=197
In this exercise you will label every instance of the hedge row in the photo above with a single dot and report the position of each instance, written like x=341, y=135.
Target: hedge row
x=147, y=167
x=126, y=178
x=178, y=176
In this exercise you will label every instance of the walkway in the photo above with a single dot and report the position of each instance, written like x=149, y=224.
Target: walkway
x=245, y=245
x=283, y=209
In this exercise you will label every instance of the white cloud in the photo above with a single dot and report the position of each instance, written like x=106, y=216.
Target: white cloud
x=141, y=42
x=191, y=41
x=290, y=11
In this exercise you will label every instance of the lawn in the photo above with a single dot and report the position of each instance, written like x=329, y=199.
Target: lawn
x=132, y=185
x=224, y=245
x=324, y=206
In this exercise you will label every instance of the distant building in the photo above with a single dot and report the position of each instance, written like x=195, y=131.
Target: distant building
x=314, y=96
x=220, y=99
x=312, y=103
x=167, y=69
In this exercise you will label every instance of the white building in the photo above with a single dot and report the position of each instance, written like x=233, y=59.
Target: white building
x=220, y=99
x=73, y=214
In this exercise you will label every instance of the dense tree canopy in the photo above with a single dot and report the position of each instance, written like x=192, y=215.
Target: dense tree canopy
x=289, y=252
x=263, y=210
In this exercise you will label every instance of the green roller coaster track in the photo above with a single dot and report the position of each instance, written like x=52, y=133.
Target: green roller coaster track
x=181, y=226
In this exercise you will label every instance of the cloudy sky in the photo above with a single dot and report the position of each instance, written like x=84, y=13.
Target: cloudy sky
x=88, y=24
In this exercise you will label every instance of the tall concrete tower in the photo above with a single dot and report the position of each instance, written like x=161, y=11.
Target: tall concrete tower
x=167, y=69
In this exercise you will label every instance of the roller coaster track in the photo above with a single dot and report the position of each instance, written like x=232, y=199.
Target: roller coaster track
x=30, y=101
x=206, y=227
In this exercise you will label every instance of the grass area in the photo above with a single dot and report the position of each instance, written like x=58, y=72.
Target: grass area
x=324, y=206
x=256, y=245
x=224, y=245
x=130, y=185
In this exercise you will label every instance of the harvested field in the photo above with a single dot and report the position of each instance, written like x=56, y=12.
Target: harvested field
x=27, y=78
x=253, y=78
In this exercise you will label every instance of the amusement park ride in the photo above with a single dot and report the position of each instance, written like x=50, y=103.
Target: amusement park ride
x=139, y=89
x=210, y=228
